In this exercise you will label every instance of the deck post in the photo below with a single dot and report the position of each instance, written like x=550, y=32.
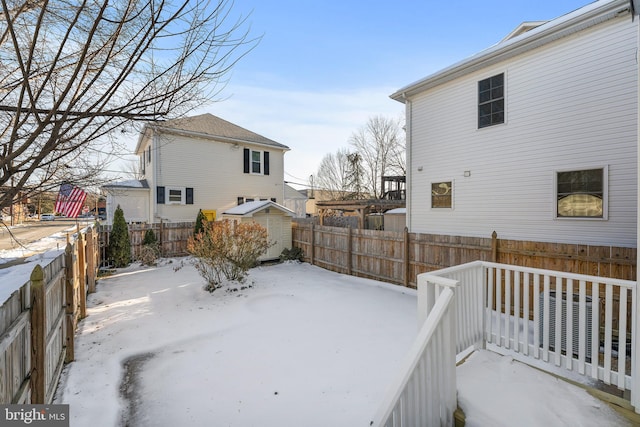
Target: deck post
x=635, y=361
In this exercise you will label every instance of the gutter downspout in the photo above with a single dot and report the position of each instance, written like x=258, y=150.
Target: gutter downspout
x=635, y=361
x=408, y=152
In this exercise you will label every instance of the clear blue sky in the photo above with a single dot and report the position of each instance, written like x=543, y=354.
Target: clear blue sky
x=323, y=68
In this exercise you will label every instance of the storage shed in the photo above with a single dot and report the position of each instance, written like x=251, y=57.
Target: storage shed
x=272, y=216
x=395, y=220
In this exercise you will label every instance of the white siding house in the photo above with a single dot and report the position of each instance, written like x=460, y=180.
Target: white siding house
x=534, y=138
x=205, y=162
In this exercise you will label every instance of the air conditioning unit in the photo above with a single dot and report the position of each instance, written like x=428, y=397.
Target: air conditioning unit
x=575, y=321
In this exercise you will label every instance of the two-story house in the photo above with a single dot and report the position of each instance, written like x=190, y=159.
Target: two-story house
x=534, y=137
x=201, y=162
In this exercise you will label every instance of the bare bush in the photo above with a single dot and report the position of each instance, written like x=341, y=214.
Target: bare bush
x=226, y=250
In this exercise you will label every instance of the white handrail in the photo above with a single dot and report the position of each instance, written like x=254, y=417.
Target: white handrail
x=574, y=323
x=430, y=366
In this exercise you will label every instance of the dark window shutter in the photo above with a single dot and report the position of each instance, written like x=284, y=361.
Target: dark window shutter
x=266, y=163
x=246, y=160
x=189, y=196
x=160, y=195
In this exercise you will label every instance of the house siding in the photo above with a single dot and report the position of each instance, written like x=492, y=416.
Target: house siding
x=570, y=104
x=180, y=156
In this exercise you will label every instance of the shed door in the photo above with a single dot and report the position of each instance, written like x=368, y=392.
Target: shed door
x=273, y=223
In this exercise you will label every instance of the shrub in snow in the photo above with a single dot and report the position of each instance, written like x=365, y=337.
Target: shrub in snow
x=119, y=243
x=150, y=251
x=293, y=254
x=200, y=220
x=226, y=250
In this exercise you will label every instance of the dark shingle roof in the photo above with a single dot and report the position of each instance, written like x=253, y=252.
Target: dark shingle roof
x=214, y=126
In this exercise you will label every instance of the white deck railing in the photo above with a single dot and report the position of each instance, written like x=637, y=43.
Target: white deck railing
x=572, y=324
x=425, y=392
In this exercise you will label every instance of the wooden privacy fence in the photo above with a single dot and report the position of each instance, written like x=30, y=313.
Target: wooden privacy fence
x=172, y=238
x=400, y=257
x=38, y=322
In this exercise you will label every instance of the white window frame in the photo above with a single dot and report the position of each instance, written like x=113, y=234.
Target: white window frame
x=437, y=181
x=605, y=194
x=251, y=161
x=167, y=196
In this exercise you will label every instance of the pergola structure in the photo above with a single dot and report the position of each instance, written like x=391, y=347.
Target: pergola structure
x=361, y=207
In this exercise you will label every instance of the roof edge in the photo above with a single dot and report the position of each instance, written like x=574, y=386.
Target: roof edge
x=578, y=20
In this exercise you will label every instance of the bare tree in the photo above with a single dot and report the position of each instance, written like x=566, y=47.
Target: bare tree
x=380, y=144
x=73, y=71
x=333, y=175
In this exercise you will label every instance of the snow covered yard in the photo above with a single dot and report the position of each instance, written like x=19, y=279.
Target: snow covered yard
x=495, y=390
x=301, y=347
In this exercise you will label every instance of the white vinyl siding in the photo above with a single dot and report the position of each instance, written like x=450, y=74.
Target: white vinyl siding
x=570, y=103
x=214, y=171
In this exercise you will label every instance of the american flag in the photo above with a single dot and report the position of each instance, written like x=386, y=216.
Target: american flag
x=70, y=200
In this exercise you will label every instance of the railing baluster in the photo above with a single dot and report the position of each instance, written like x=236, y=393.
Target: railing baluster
x=507, y=308
x=569, y=323
x=490, y=303
x=525, y=314
x=608, y=331
x=557, y=345
x=516, y=310
x=582, y=332
x=622, y=338
x=595, y=329
x=536, y=315
x=499, y=305
x=545, y=319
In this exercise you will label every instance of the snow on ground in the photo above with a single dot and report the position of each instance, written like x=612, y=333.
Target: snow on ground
x=302, y=347
x=498, y=391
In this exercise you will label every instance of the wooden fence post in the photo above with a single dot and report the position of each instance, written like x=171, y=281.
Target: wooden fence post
x=407, y=270
x=38, y=335
x=161, y=238
x=71, y=304
x=349, y=250
x=494, y=246
x=81, y=277
x=312, y=254
x=91, y=261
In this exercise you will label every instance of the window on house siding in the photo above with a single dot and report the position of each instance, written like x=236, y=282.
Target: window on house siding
x=240, y=200
x=491, y=101
x=149, y=154
x=256, y=162
x=582, y=193
x=175, y=195
x=441, y=194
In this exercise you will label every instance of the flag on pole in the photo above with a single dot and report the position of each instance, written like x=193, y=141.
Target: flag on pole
x=70, y=200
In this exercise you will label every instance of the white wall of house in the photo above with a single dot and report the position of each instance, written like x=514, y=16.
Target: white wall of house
x=133, y=202
x=570, y=104
x=213, y=169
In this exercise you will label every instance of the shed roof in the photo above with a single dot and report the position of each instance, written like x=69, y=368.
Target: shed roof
x=133, y=183
x=250, y=208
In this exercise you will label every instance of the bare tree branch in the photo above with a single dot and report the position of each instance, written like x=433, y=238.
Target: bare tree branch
x=72, y=72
